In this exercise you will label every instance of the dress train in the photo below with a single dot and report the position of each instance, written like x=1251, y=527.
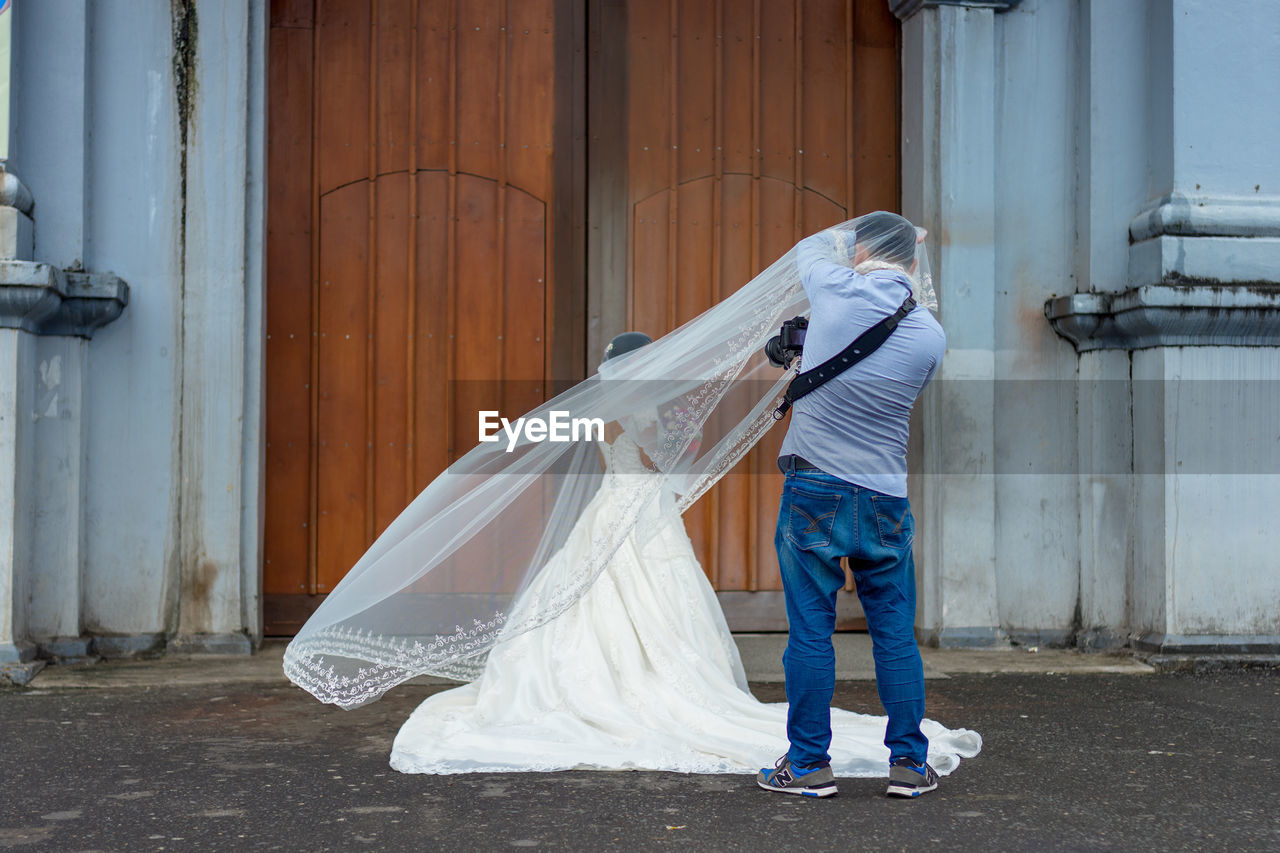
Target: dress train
x=640, y=673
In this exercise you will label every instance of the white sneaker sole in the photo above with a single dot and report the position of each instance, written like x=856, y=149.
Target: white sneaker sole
x=909, y=792
x=804, y=792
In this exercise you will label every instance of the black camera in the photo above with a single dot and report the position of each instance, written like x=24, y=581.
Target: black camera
x=788, y=343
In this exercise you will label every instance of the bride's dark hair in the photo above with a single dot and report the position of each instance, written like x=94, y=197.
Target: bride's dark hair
x=625, y=343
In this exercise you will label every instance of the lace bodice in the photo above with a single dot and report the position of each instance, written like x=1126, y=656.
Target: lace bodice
x=623, y=457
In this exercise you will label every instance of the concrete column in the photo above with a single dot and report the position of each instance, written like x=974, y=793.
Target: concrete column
x=54, y=606
x=16, y=229
x=222, y=333
x=41, y=455
x=1207, y=461
x=17, y=357
x=133, y=220
x=1207, y=458
x=26, y=298
x=1194, y=313
x=51, y=114
x=1111, y=150
x=47, y=315
x=948, y=167
x=1106, y=511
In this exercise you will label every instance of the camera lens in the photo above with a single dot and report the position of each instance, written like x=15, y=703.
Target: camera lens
x=776, y=354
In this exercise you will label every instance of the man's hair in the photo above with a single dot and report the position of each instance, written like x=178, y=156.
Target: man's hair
x=891, y=238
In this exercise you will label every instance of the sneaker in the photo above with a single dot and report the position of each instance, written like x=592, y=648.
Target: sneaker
x=908, y=779
x=818, y=782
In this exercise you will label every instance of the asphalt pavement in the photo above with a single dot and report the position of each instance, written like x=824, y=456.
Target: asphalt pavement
x=221, y=755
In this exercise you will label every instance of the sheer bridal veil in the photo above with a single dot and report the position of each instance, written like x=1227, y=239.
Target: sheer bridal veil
x=444, y=582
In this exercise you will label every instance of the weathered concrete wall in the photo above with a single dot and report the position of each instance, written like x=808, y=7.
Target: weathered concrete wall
x=1095, y=147
x=142, y=138
x=54, y=603
x=132, y=227
x=222, y=295
x=948, y=67
x=989, y=167
x=50, y=118
x=1208, y=462
x=17, y=392
x=1039, y=142
x=1225, y=75
x=1113, y=182
x=1036, y=532
x=1205, y=566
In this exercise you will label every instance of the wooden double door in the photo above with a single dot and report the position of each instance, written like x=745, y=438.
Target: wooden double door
x=468, y=198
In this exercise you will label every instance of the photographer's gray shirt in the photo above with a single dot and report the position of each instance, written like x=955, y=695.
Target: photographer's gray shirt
x=855, y=426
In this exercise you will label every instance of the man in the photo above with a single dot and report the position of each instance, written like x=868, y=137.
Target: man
x=845, y=495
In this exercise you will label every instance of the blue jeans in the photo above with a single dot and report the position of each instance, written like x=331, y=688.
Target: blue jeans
x=824, y=518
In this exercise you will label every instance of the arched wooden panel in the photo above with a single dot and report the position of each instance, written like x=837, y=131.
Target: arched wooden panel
x=424, y=256
x=749, y=125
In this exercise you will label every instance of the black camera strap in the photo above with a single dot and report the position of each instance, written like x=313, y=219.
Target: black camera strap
x=862, y=346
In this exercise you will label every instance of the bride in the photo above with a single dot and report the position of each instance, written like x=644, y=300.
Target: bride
x=570, y=598
x=640, y=673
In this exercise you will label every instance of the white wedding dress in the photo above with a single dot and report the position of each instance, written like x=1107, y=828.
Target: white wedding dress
x=640, y=673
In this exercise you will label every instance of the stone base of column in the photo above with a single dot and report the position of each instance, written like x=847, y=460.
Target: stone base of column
x=1057, y=638
x=129, y=646
x=67, y=650
x=19, y=651
x=211, y=644
x=18, y=664
x=20, y=674
x=1208, y=644
x=963, y=638
x=1101, y=639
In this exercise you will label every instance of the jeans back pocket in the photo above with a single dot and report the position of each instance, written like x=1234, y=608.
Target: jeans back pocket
x=894, y=521
x=811, y=519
